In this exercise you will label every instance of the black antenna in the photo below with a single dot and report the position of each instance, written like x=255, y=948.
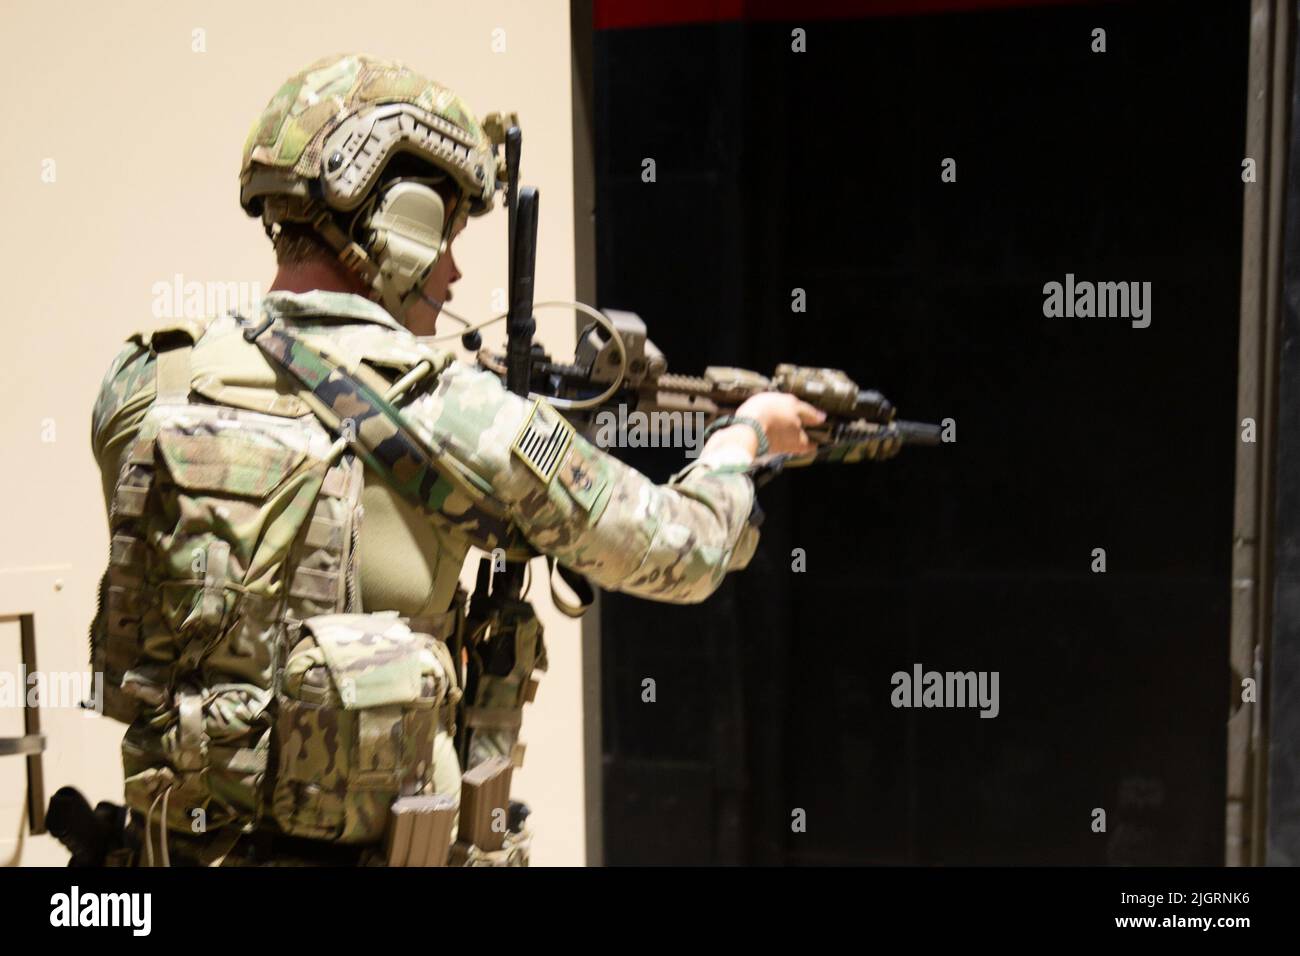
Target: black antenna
x=514, y=147
x=520, y=324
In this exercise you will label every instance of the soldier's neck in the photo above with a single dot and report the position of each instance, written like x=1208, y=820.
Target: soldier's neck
x=327, y=275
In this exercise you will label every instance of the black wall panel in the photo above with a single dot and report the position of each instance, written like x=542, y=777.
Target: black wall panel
x=820, y=170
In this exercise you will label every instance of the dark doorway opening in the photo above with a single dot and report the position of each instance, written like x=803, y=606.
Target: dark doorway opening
x=821, y=171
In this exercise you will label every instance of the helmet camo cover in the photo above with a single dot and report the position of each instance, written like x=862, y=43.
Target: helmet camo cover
x=346, y=116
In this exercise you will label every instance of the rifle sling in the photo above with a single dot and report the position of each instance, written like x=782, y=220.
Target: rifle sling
x=387, y=444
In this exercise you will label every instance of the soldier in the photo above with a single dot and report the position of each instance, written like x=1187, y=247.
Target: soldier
x=277, y=482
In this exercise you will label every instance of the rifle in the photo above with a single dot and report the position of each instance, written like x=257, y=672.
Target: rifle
x=617, y=365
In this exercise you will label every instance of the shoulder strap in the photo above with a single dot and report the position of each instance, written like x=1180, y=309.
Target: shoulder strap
x=173, y=370
x=172, y=346
x=433, y=483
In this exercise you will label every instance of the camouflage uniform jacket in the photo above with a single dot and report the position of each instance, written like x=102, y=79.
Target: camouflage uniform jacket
x=672, y=542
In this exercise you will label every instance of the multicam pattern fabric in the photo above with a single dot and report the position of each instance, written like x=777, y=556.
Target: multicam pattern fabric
x=515, y=851
x=290, y=133
x=355, y=725
x=599, y=517
x=235, y=519
x=226, y=525
x=385, y=442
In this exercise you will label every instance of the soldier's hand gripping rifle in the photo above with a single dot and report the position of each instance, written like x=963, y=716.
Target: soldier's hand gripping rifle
x=617, y=365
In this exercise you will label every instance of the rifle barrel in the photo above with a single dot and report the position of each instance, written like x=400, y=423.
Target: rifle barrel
x=919, y=433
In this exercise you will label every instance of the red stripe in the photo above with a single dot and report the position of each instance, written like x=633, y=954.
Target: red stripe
x=624, y=14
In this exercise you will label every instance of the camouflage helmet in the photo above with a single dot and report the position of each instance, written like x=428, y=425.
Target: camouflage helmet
x=320, y=149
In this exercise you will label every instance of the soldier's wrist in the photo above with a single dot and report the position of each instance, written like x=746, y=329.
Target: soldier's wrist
x=739, y=430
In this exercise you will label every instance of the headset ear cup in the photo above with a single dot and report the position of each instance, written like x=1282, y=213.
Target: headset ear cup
x=408, y=228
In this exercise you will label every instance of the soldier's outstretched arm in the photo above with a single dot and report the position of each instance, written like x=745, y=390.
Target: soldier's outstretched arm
x=673, y=542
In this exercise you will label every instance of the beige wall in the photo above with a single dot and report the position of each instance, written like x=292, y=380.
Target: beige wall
x=144, y=134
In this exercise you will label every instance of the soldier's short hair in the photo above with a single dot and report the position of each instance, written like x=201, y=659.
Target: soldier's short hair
x=298, y=243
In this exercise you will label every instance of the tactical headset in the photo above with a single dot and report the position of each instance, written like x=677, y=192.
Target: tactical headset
x=407, y=230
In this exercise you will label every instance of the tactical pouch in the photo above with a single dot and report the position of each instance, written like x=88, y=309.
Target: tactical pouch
x=227, y=525
x=503, y=680
x=356, y=716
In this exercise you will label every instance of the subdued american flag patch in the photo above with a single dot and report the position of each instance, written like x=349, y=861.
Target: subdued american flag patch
x=543, y=440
